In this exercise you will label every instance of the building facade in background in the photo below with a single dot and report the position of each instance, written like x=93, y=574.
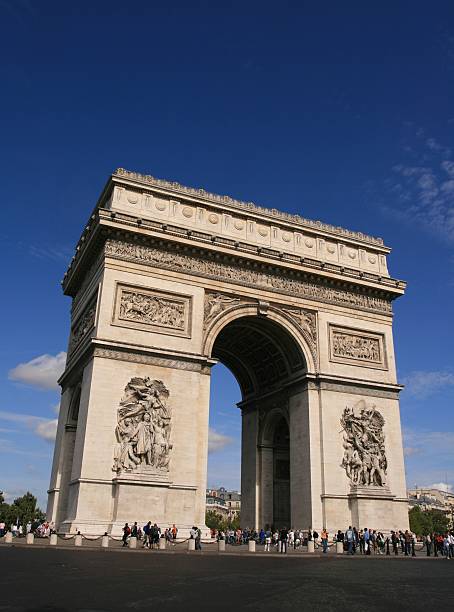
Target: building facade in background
x=166, y=281
x=224, y=502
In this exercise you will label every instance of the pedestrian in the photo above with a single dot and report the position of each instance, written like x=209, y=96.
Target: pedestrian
x=126, y=533
x=324, y=537
x=267, y=540
x=428, y=544
x=350, y=537
x=283, y=537
x=198, y=539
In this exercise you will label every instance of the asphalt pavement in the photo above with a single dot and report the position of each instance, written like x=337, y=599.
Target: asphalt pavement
x=77, y=580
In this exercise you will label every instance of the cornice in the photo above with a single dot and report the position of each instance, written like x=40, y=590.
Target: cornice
x=250, y=207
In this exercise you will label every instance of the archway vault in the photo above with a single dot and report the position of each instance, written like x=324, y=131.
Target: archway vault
x=263, y=350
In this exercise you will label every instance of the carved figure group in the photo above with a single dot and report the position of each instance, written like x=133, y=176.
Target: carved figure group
x=356, y=347
x=143, y=428
x=364, y=457
x=151, y=309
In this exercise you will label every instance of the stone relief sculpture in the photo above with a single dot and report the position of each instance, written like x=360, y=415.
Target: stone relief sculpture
x=353, y=346
x=215, y=303
x=364, y=458
x=154, y=310
x=306, y=320
x=241, y=274
x=143, y=428
x=85, y=323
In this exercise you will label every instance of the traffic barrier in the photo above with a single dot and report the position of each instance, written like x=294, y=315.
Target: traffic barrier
x=30, y=538
x=221, y=546
x=53, y=539
x=162, y=543
x=132, y=542
x=8, y=537
x=105, y=541
x=191, y=544
x=310, y=546
x=78, y=539
x=340, y=548
x=251, y=545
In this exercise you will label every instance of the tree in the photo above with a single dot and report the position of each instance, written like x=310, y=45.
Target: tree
x=423, y=522
x=214, y=520
x=21, y=511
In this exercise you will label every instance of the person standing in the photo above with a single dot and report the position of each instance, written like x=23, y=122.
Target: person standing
x=198, y=539
x=350, y=537
x=126, y=532
x=428, y=544
x=267, y=540
x=283, y=537
x=324, y=540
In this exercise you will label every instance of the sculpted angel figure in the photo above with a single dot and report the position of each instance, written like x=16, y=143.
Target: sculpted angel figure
x=216, y=303
x=144, y=433
x=124, y=453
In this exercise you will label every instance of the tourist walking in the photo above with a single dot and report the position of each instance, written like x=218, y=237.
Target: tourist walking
x=350, y=537
x=324, y=540
x=126, y=533
x=283, y=537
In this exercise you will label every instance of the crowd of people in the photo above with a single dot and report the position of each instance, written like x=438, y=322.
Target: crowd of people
x=41, y=529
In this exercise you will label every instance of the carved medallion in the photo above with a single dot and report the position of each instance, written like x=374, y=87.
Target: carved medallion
x=143, y=428
x=364, y=458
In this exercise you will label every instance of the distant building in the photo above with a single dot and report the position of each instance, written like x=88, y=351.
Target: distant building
x=227, y=503
x=432, y=499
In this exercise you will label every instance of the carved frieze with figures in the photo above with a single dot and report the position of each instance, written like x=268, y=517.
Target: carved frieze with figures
x=143, y=428
x=364, y=457
x=357, y=347
x=83, y=325
x=152, y=310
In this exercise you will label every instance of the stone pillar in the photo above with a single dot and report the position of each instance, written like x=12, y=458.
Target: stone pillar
x=132, y=542
x=266, y=485
x=249, y=461
x=105, y=541
x=30, y=538
x=53, y=539
x=340, y=548
x=191, y=544
x=78, y=540
x=251, y=545
x=221, y=546
x=310, y=546
x=162, y=543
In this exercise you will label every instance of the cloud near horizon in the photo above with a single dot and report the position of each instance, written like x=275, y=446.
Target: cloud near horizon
x=422, y=384
x=40, y=426
x=42, y=372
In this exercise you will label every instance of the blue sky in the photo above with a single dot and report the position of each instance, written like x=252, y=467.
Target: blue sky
x=338, y=111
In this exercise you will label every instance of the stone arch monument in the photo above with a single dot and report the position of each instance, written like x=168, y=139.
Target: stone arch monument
x=168, y=280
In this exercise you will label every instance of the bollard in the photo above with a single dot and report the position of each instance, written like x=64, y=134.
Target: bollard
x=30, y=538
x=251, y=545
x=8, y=537
x=339, y=548
x=310, y=546
x=221, y=546
x=162, y=543
x=132, y=542
x=53, y=539
x=105, y=541
x=191, y=544
x=78, y=540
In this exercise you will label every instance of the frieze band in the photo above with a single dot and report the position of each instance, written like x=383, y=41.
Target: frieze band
x=241, y=274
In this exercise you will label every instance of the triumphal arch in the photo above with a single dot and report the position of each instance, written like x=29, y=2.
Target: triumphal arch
x=167, y=281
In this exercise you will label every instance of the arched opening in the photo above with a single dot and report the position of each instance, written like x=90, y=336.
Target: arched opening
x=267, y=362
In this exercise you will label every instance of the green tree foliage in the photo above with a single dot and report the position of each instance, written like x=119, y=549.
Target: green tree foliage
x=214, y=520
x=423, y=522
x=23, y=510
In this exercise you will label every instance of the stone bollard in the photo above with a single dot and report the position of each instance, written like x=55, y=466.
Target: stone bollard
x=132, y=542
x=30, y=538
x=221, y=546
x=105, y=541
x=53, y=539
x=310, y=546
x=78, y=540
x=251, y=545
x=162, y=543
x=191, y=544
x=339, y=548
x=8, y=537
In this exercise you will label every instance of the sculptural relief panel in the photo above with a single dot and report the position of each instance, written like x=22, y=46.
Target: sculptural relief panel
x=152, y=310
x=357, y=347
x=83, y=325
x=364, y=459
x=143, y=429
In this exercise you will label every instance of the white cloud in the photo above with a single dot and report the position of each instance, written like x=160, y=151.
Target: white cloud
x=217, y=441
x=42, y=427
x=411, y=450
x=42, y=371
x=422, y=384
x=441, y=486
